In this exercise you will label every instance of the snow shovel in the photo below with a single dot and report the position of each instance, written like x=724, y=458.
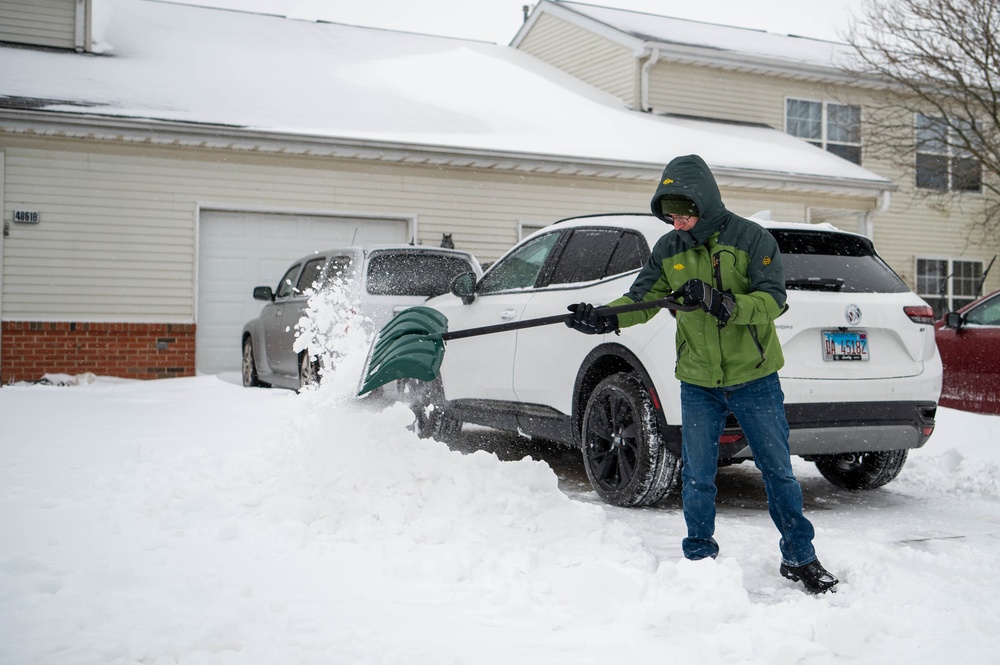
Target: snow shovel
x=411, y=345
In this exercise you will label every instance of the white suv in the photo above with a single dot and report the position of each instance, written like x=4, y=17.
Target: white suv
x=861, y=378
x=381, y=281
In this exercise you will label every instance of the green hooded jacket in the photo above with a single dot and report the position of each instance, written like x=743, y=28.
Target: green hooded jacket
x=730, y=253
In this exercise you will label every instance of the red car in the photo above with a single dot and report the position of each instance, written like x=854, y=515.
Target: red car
x=969, y=343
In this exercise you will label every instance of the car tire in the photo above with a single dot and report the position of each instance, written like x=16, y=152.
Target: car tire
x=861, y=471
x=308, y=370
x=626, y=460
x=249, y=366
x=431, y=417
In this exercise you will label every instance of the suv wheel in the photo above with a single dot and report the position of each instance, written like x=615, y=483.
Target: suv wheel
x=431, y=419
x=308, y=370
x=625, y=457
x=861, y=471
x=250, y=379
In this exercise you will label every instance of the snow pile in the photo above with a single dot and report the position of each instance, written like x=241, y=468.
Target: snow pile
x=970, y=465
x=194, y=521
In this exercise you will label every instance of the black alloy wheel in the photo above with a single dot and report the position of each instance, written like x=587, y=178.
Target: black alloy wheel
x=624, y=455
x=432, y=419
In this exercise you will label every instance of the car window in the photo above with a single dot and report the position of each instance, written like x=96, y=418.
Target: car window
x=338, y=269
x=520, y=268
x=287, y=283
x=631, y=252
x=310, y=274
x=413, y=273
x=585, y=256
x=986, y=314
x=819, y=261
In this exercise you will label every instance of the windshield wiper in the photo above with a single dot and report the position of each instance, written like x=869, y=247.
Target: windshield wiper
x=816, y=284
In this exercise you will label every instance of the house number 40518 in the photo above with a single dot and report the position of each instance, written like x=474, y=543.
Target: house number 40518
x=26, y=216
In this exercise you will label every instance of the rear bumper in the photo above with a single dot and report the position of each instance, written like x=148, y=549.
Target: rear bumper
x=849, y=427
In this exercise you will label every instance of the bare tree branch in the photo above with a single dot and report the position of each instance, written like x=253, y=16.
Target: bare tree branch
x=940, y=59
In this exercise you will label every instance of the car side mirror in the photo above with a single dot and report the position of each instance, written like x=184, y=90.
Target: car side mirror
x=953, y=320
x=263, y=293
x=464, y=286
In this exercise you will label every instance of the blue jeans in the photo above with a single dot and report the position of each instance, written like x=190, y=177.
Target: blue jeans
x=759, y=408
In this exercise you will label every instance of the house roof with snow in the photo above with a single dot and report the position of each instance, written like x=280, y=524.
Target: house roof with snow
x=724, y=46
x=189, y=75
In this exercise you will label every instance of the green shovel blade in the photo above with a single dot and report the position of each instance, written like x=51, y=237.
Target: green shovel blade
x=408, y=347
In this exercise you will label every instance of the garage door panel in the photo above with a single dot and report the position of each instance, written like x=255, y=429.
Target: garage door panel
x=240, y=250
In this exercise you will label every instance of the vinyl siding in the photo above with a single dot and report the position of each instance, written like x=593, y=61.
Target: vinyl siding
x=917, y=223
x=598, y=61
x=117, y=237
x=117, y=240
x=39, y=22
x=717, y=93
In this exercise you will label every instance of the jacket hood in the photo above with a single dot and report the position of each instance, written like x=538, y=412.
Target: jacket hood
x=690, y=176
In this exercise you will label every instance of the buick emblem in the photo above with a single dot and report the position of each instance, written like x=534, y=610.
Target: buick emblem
x=853, y=315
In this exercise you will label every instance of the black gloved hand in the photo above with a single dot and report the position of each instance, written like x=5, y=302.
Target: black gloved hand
x=718, y=304
x=586, y=319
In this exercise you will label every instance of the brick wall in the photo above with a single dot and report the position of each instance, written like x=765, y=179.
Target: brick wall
x=31, y=349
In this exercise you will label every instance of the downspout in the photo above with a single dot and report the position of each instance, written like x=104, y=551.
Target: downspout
x=866, y=223
x=652, y=59
x=80, y=27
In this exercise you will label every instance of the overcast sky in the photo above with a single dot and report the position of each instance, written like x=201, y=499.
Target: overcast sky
x=498, y=20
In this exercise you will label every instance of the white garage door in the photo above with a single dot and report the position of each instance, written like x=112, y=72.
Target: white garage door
x=239, y=250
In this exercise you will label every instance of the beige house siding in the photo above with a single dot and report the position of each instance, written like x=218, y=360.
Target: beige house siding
x=594, y=59
x=41, y=22
x=117, y=239
x=917, y=224
x=713, y=92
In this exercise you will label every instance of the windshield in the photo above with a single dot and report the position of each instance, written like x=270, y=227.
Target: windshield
x=822, y=261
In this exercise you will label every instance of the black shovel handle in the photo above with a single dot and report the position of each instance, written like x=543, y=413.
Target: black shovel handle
x=665, y=303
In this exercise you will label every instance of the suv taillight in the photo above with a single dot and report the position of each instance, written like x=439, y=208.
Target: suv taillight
x=920, y=314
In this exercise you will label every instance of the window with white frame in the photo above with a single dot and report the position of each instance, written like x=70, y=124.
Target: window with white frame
x=939, y=164
x=833, y=127
x=948, y=284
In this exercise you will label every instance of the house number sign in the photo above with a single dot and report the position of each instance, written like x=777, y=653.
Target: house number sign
x=26, y=216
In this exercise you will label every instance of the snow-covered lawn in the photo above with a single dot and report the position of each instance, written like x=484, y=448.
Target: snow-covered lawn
x=195, y=521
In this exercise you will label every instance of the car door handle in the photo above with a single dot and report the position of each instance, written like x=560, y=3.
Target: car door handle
x=508, y=314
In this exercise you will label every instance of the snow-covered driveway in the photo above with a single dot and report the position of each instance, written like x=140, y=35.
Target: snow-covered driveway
x=194, y=521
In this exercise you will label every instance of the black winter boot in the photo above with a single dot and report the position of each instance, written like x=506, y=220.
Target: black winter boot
x=813, y=575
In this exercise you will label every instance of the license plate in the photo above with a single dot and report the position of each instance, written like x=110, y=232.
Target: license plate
x=840, y=345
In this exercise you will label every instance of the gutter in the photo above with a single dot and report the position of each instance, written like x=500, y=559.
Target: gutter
x=190, y=135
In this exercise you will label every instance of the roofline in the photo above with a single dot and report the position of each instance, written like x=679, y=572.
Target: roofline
x=636, y=45
x=734, y=60
x=168, y=133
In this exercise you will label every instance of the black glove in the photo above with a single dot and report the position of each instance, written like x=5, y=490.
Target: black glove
x=696, y=292
x=586, y=319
